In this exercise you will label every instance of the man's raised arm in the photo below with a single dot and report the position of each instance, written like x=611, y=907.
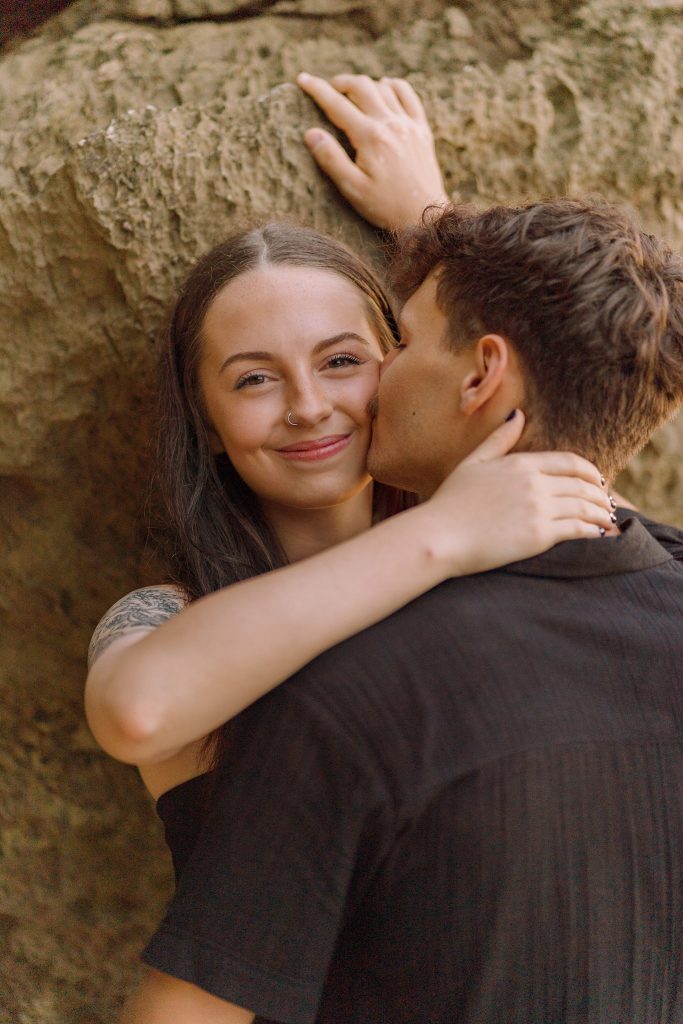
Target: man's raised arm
x=395, y=173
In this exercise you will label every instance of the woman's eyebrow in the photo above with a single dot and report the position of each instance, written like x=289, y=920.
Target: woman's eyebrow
x=338, y=338
x=259, y=357
x=268, y=357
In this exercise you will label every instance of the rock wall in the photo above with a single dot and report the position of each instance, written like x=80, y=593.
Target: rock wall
x=134, y=134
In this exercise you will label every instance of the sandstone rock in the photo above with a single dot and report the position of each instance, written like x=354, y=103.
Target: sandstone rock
x=131, y=142
x=190, y=10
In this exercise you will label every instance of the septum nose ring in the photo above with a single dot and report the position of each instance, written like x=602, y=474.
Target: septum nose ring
x=291, y=422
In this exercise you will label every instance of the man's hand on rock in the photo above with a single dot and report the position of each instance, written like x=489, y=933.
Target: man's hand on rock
x=395, y=174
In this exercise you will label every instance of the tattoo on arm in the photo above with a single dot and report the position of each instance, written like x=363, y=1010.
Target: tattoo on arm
x=142, y=609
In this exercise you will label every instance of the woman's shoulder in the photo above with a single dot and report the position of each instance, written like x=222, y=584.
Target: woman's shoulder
x=139, y=611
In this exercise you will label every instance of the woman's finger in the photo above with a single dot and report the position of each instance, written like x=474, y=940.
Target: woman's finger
x=574, y=487
x=341, y=111
x=332, y=158
x=575, y=529
x=623, y=502
x=363, y=91
x=500, y=441
x=564, y=464
x=408, y=98
x=586, y=511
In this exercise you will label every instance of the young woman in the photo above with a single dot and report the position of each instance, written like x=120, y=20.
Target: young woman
x=272, y=360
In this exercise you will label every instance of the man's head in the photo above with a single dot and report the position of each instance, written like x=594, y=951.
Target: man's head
x=563, y=308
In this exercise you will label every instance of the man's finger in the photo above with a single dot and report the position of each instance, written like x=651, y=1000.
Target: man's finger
x=389, y=96
x=332, y=158
x=408, y=98
x=340, y=110
x=363, y=91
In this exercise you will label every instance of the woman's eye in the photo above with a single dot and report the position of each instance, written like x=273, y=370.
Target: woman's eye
x=251, y=379
x=343, y=359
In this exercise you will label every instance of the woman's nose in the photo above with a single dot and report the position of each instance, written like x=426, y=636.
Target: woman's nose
x=310, y=403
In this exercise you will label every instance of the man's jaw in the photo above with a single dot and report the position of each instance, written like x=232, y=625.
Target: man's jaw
x=389, y=472
x=393, y=474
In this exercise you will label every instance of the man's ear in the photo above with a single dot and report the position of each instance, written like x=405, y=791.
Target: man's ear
x=490, y=359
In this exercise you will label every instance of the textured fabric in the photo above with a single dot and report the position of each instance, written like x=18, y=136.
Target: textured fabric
x=182, y=811
x=470, y=813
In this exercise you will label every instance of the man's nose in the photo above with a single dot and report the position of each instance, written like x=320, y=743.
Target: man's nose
x=310, y=403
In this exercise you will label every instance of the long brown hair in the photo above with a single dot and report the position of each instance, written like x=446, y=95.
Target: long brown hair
x=219, y=534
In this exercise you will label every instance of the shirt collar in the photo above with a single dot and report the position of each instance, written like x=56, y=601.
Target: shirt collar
x=632, y=550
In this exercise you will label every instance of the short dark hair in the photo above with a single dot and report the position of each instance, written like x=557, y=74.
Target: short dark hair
x=592, y=305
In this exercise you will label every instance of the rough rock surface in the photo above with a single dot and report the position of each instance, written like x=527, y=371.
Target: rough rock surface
x=133, y=135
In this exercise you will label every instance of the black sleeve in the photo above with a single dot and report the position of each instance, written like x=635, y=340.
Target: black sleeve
x=670, y=537
x=261, y=901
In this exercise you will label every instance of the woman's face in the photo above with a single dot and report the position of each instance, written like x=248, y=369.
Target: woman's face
x=279, y=340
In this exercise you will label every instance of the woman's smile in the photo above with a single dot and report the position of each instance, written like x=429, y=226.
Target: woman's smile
x=316, y=450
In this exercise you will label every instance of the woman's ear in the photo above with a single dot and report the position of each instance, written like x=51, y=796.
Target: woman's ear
x=490, y=360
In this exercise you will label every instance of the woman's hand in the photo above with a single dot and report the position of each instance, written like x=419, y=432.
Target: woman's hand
x=496, y=508
x=395, y=174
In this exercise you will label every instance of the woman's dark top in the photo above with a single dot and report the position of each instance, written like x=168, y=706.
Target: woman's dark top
x=181, y=809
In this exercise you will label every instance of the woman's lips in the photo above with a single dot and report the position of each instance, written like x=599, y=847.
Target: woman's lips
x=314, y=451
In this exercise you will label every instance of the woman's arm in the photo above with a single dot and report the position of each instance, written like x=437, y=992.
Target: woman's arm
x=161, y=998
x=150, y=694
x=133, y=616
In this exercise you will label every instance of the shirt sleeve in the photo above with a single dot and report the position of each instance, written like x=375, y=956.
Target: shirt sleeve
x=261, y=901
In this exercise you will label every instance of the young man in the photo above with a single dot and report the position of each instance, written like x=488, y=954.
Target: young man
x=472, y=811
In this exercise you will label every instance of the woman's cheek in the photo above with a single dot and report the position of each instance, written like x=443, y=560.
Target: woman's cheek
x=244, y=431
x=371, y=387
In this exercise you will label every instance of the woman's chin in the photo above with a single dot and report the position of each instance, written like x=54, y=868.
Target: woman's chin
x=310, y=500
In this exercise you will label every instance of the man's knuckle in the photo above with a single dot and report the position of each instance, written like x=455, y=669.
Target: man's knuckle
x=400, y=127
x=376, y=132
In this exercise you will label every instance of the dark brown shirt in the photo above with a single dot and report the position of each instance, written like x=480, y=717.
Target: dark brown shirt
x=470, y=813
